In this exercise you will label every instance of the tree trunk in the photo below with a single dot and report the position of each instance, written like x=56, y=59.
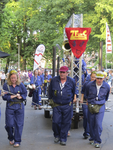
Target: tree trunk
x=23, y=64
x=7, y=65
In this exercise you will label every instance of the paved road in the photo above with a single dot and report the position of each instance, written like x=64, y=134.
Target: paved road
x=37, y=133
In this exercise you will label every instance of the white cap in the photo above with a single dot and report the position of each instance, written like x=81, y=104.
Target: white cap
x=99, y=74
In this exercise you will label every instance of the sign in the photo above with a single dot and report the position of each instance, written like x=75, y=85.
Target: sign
x=38, y=55
x=74, y=21
x=78, y=38
x=108, y=40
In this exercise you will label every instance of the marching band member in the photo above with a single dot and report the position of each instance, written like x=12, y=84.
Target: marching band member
x=36, y=80
x=62, y=92
x=85, y=106
x=97, y=93
x=14, y=108
x=41, y=81
x=88, y=78
x=46, y=82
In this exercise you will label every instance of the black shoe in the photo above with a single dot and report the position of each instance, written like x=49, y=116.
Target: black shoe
x=56, y=140
x=86, y=137
x=63, y=143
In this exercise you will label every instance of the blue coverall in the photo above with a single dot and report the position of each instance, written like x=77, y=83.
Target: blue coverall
x=95, y=120
x=41, y=81
x=48, y=77
x=88, y=78
x=62, y=114
x=85, y=112
x=83, y=65
x=14, y=113
x=37, y=92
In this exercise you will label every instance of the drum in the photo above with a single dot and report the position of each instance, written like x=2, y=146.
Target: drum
x=31, y=89
x=33, y=86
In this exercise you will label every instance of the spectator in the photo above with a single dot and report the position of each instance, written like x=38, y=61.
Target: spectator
x=3, y=77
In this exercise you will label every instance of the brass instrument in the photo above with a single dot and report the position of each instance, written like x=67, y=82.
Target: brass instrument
x=66, y=46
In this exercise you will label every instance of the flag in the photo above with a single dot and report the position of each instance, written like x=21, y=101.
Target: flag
x=38, y=55
x=108, y=40
x=78, y=38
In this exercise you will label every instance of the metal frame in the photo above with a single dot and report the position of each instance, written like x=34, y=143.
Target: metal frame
x=76, y=21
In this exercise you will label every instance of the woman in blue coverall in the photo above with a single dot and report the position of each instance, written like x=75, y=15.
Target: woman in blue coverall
x=62, y=91
x=97, y=93
x=46, y=82
x=41, y=81
x=37, y=81
x=85, y=106
x=14, y=108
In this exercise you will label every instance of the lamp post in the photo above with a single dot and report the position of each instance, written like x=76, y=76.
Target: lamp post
x=18, y=55
x=58, y=59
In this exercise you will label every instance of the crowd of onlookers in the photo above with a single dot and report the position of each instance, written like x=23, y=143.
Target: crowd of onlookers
x=24, y=75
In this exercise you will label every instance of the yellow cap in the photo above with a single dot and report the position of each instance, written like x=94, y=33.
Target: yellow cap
x=13, y=72
x=105, y=73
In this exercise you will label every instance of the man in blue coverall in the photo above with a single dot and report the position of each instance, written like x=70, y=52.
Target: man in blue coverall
x=85, y=106
x=97, y=93
x=62, y=91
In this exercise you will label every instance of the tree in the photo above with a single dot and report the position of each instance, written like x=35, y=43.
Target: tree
x=32, y=22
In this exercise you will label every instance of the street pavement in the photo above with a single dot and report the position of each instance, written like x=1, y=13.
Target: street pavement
x=38, y=135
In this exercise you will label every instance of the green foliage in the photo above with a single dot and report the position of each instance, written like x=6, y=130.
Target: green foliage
x=32, y=22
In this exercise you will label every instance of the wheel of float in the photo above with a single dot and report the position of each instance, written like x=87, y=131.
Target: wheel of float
x=47, y=113
x=76, y=121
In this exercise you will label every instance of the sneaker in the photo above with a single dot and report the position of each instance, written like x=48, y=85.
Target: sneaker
x=69, y=134
x=91, y=142
x=97, y=145
x=63, y=143
x=56, y=140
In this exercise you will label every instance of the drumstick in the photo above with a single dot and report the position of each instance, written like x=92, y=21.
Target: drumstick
x=7, y=92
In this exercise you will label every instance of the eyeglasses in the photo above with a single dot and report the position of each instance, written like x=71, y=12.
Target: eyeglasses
x=13, y=71
x=62, y=72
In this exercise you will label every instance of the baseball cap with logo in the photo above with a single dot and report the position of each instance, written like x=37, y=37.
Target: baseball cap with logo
x=99, y=74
